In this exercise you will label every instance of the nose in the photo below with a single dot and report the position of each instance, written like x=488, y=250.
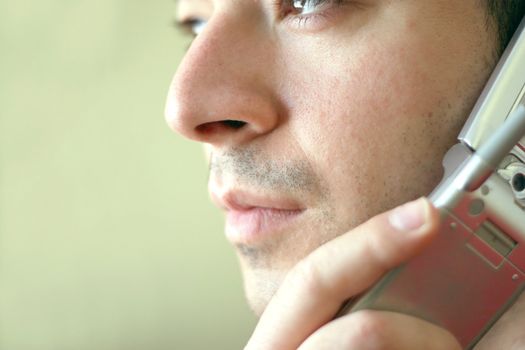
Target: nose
x=221, y=93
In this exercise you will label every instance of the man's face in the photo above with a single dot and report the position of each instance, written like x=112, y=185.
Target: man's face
x=320, y=115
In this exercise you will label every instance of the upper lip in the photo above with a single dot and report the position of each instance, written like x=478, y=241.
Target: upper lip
x=239, y=200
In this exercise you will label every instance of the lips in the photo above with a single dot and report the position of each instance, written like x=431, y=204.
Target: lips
x=251, y=218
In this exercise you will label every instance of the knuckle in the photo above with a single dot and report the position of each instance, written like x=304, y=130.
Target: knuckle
x=368, y=330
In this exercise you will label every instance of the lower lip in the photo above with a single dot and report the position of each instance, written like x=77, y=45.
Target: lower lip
x=251, y=225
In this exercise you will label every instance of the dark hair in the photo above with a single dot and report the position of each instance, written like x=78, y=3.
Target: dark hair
x=506, y=15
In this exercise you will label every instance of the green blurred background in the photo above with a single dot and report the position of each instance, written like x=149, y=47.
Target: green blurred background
x=107, y=237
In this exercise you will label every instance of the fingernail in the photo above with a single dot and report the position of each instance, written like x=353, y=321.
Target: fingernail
x=410, y=216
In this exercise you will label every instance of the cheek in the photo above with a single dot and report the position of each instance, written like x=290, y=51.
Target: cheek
x=359, y=103
x=376, y=118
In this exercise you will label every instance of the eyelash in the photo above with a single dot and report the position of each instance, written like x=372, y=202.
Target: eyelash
x=191, y=26
x=286, y=9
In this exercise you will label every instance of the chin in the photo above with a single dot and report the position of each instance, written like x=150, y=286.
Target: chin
x=260, y=285
x=259, y=293
x=257, y=304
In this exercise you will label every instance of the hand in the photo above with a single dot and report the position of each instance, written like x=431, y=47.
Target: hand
x=300, y=315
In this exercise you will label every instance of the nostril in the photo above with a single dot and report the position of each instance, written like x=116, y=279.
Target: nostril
x=234, y=124
x=208, y=128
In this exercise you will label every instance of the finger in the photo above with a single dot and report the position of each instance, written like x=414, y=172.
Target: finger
x=380, y=330
x=314, y=290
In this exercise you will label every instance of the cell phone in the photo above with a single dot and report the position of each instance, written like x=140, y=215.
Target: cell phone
x=475, y=269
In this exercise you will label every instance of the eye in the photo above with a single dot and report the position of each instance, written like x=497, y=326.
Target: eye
x=191, y=26
x=197, y=26
x=305, y=7
x=317, y=12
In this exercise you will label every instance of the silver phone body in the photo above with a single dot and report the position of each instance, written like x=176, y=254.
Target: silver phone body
x=475, y=269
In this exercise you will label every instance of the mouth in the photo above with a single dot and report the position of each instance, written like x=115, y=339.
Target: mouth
x=252, y=218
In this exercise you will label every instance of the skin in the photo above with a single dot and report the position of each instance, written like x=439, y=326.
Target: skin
x=346, y=114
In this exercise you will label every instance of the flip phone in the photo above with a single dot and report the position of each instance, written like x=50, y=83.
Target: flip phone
x=475, y=269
